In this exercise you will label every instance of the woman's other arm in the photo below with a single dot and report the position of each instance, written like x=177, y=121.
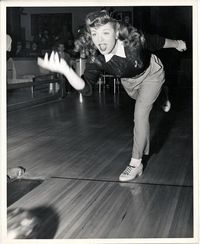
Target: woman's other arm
x=178, y=44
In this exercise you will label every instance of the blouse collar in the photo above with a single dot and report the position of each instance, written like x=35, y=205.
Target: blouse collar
x=120, y=51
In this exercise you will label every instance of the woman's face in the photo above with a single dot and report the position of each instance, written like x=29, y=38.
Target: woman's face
x=104, y=38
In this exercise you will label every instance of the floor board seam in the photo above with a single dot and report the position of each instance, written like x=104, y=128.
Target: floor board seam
x=115, y=181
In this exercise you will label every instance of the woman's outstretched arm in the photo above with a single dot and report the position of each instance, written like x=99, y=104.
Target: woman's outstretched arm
x=55, y=64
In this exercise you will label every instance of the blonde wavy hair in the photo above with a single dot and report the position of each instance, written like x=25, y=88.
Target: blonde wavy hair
x=128, y=34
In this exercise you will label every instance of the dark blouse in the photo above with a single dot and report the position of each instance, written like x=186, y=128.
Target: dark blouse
x=136, y=62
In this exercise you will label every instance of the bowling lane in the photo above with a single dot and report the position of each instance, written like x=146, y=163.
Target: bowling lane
x=95, y=209
x=93, y=140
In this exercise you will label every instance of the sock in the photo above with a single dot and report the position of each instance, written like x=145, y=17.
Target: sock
x=135, y=162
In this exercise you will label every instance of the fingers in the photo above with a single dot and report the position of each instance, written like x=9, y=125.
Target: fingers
x=184, y=47
x=47, y=62
x=181, y=46
x=53, y=63
x=51, y=59
x=46, y=57
x=40, y=62
x=56, y=57
x=43, y=62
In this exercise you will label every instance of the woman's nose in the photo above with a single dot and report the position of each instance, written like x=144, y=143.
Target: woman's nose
x=100, y=38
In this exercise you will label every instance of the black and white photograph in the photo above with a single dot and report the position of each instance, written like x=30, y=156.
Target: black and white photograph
x=99, y=131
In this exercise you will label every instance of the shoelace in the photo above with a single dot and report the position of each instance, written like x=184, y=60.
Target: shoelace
x=128, y=169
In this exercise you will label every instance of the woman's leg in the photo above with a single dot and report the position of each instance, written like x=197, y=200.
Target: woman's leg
x=149, y=89
x=147, y=95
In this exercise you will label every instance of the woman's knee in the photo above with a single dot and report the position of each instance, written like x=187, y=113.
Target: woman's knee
x=141, y=113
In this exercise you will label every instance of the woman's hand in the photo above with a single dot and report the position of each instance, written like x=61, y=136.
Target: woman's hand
x=54, y=63
x=181, y=46
x=178, y=44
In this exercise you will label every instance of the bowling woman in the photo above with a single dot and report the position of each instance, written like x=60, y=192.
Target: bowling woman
x=127, y=53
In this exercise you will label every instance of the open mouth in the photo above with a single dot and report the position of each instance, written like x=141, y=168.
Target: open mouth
x=102, y=47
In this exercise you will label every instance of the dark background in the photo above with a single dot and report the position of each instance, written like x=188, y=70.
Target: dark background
x=174, y=22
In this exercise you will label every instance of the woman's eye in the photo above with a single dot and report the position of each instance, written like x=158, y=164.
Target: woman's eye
x=106, y=33
x=93, y=34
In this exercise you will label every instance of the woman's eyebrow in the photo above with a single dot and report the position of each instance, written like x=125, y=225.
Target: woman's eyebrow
x=93, y=30
x=107, y=29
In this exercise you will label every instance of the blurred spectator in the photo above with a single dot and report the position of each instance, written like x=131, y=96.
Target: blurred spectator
x=34, y=50
x=45, y=41
x=20, y=50
x=61, y=51
x=60, y=48
x=8, y=46
x=69, y=37
x=56, y=36
x=8, y=43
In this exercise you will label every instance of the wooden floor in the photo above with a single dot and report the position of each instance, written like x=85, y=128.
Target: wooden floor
x=79, y=150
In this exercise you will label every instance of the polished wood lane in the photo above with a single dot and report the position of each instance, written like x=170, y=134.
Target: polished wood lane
x=96, y=209
x=80, y=150
x=93, y=140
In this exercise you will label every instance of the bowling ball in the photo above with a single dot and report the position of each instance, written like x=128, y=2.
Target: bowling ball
x=35, y=223
x=21, y=224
